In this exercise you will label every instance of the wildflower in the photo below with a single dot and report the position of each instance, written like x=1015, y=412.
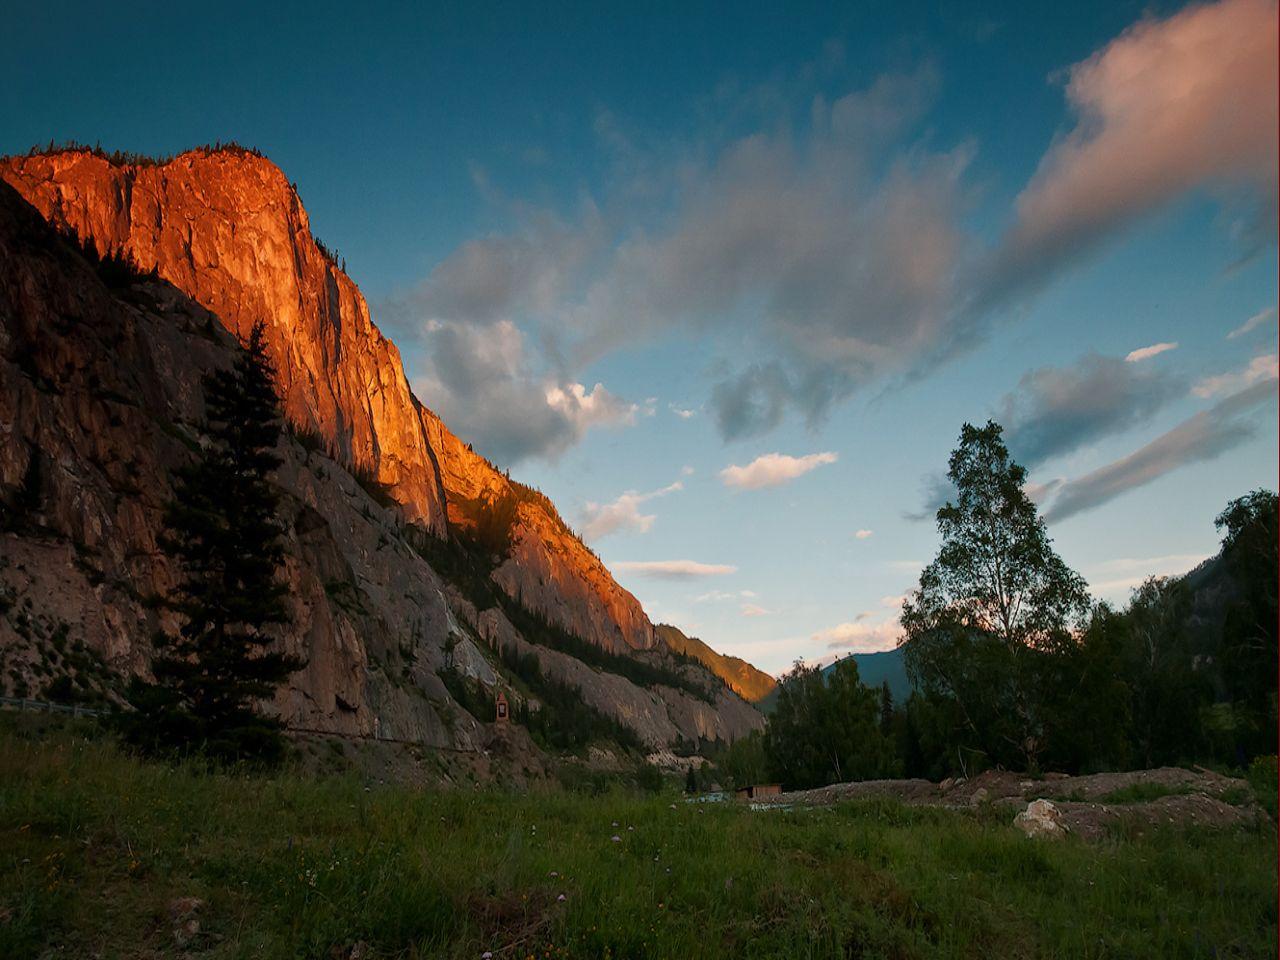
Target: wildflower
x=487, y=955
x=616, y=839
x=561, y=898
x=553, y=874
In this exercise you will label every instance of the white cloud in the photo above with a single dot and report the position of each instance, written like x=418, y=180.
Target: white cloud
x=601, y=519
x=1259, y=369
x=755, y=610
x=682, y=412
x=1257, y=320
x=481, y=380
x=718, y=595
x=773, y=469
x=1146, y=353
x=687, y=471
x=893, y=601
x=674, y=569
x=860, y=636
x=588, y=409
x=865, y=534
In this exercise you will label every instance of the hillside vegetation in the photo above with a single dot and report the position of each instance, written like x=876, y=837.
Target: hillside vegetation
x=98, y=851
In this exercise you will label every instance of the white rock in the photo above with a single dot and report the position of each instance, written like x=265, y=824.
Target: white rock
x=1041, y=820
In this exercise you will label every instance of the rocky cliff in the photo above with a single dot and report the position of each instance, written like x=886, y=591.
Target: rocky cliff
x=226, y=227
x=99, y=397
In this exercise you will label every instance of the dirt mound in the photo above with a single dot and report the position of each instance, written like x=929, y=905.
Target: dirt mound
x=1091, y=806
x=1094, y=821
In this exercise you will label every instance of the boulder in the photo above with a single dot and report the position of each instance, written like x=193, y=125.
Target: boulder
x=1042, y=820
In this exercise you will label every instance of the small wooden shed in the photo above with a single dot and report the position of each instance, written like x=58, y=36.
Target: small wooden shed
x=758, y=790
x=502, y=713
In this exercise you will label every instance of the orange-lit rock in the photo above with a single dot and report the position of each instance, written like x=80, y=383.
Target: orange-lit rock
x=227, y=228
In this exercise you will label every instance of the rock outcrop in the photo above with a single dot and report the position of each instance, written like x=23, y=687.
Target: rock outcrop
x=100, y=390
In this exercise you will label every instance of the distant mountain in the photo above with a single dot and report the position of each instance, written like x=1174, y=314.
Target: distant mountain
x=875, y=669
x=745, y=680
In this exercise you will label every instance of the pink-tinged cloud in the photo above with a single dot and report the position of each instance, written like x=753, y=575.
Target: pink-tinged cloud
x=601, y=519
x=674, y=569
x=1257, y=320
x=773, y=469
x=865, y=534
x=859, y=636
x=1146, y=353
x=1258, y=369
x=755, y=610
x=1167, y=107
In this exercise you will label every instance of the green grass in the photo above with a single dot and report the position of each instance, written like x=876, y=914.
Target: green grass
x=94, y=844
x=1144, y=792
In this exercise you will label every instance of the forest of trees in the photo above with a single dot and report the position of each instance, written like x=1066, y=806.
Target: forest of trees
x=1012, y=665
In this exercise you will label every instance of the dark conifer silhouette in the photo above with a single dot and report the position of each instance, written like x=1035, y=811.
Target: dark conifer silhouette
x=222, y=529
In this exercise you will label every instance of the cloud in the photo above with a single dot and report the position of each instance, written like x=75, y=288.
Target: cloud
x=808, y=239
x=1257, y=320
x=773, y=469
x=822, y=246
x=1204, y=436
x=1055, y=410
x=601, y=519
x=687, y=471
x=481, y=380
x=530, y=269
x=755, y=610
x=908, y=566
x=1161, y=111
x=1146, y=353
x=864, y=534
x=1114, y=579
x=860, y=636
x=682, y=412
x=1259, y=368
x=585, y=409
x=717, y=595
x=674, y=569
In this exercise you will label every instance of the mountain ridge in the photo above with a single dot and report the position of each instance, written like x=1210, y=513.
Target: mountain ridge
x=151, y=214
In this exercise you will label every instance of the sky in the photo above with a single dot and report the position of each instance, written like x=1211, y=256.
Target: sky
x=726, y=281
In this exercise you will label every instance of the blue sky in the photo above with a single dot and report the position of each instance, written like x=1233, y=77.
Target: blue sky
x=821, y=237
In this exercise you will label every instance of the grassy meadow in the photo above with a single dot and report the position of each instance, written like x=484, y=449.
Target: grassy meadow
x=95, y=844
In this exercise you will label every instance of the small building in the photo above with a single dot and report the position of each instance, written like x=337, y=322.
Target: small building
x=756, y=790
x=502, y=713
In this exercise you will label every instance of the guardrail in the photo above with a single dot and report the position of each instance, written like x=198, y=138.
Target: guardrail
x=44, y=706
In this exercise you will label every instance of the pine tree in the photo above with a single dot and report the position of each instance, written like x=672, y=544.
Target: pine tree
x=223, y=531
